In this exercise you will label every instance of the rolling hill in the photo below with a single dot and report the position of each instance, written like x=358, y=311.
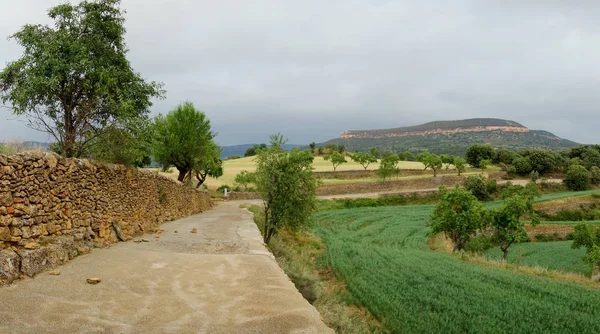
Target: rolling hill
x=452, y=137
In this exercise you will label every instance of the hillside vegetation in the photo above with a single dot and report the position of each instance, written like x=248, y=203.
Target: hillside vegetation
x=441, y=137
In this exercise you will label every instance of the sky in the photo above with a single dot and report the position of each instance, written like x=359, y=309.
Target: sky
x=311, y=69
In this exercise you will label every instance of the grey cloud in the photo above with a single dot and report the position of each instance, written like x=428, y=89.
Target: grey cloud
x=312, y=69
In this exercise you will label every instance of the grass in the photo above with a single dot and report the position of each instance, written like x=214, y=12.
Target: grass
x=556, y=255
x=382, y=255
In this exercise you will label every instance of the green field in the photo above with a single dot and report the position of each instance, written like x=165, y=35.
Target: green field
x=383, y=256
x=556, y=255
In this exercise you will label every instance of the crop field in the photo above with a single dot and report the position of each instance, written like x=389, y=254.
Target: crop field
x=383, y=256
x=556, y=255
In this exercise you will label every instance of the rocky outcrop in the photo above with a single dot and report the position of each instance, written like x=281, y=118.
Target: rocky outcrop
x=368, y=134
x=53, y=209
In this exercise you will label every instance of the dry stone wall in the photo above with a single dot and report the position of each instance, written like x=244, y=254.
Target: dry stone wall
x=53, y=209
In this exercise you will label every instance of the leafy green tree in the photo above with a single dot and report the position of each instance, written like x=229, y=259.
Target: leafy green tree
x=506, y=222
x=590, y=157
x=447, y=160
x=522, y=166
x=406, y=156
x=252, y=151
x=595, y=175
x=312, y=146
x=504, y=156
x=458, y=214
x=534, y=176
x=578, y=178
x=336, y=159
x=589, y=237
x=375, y=152
x=184, y=139
x=74, y=80
x=245, y=178
x=131, y=146
x=320, y=150
x=430, y=160
x=542, y=161
x=483, y=164
x=460, y=164
x=388, y=165
x=364, y=159
x=287, y=186
x=476, y=153
x=477, y=186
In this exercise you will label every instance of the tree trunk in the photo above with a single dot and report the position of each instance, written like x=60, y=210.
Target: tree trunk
x=69, y=136
x=182, y=173
x=201, y=178
x=434, y=173
x=269, y=235
x=505, y=251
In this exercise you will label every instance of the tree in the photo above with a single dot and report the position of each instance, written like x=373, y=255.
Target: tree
x=430, y=160
x=460, y=164
x=336, y=159
x=587, y=236
x=476, y=153
x=184, y=139
x=522, y=166
x=595, y=175
x=74, y=80
x=375, y=152
x=458, y=214
x=312, y=146
x=130, y=146
x=578, y=178
x=477, y=186
x=245, y=178
x=447, y=160
x=252, y=151
x=287, y=186
x=483, y=164
x=590, y=157
x=506, y=223
x=504, y=156
x=406, y=156
x=364, y=159
x=320, y=150
x=388, y=165
x=542, y=161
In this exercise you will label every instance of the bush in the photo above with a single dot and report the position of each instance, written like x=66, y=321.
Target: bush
x=476, y=153
x=522, y=166
x=578, y=178
x=491, y=186
x=481, y=243
x=477, y=186
x=233, y=157
x=222, y=188
x=534, y=175
x=595, y=175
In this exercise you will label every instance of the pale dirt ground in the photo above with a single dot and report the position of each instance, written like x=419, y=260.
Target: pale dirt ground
x=219, y=280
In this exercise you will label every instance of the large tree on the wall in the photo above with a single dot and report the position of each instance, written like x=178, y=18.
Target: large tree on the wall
x=74, y=80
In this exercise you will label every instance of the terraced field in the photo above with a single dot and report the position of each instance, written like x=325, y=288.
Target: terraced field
x=383, y=256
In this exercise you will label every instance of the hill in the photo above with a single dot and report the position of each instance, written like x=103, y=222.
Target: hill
x=452, y=137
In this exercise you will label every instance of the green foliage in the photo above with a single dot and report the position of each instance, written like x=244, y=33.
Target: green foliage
x=595, y=175
x=534, y=175
x=506, y=222
x=312, y=146
x=184, y=139
x=287, y=186
x=504, y=156
x=460, y=164
x=406, y=156
x=252, y=151
x=12, y=146
x=432, y=161
x=522, y=166
x=589, y=237
x=447, y=160
x=130, y=145
x=388, y=165
x=245, y=178
x=476, y=153
x=477, y=185
x=542, y=161
x=590, y=157
x=336, y=159
x=233, y=157
x=458, y=215
x=578, y=178
x=364, y=159
x=73, y=79
x=383, y=256
x=483, y=164
x=375, y=152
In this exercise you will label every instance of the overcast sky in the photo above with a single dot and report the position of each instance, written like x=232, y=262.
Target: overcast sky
x=313, y=69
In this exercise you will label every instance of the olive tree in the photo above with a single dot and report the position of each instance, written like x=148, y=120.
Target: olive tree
x=578, y=178
x=74, y=80
x=245, y=178
x=364, y=159
x=184, y=139
x=460, y=164
x=430, y=160
x=336, y=159
x=388, y=165
x=458, y=214
x=587, y=236
x=287, y=187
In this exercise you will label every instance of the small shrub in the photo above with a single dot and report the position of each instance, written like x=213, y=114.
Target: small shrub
x=481, y=243
x=234, y=157
x=534, y=176
x=477, y=186
x=578, y=178
x=491, y=186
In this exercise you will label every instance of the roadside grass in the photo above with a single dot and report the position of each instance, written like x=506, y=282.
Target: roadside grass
x=383, y=256
x=299, y=254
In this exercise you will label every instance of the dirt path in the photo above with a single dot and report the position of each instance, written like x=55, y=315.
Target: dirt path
x=218, y=280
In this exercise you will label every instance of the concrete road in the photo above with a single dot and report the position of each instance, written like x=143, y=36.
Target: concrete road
x=218, y=280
